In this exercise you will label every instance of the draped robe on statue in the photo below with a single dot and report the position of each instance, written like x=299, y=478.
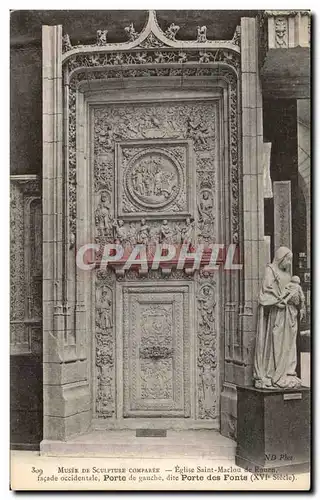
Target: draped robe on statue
x=276, y=354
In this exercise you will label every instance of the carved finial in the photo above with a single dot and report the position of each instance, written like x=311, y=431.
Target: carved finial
x=172, y=31
x=102, y=37
x=131, y=32
x=66, y=44
x=201, y=34
x=237, y=36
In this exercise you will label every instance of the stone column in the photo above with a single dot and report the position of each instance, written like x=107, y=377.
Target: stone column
x=252, y=239
x=66, y=390
x=282, y=214
x=253, y=152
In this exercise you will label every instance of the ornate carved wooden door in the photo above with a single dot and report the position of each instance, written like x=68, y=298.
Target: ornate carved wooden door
x=156, y=181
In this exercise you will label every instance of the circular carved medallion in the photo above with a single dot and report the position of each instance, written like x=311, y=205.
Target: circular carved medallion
x=153, y=179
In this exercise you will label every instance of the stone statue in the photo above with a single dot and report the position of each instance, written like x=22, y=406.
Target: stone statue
x=132, y=234
x=102, y=215
x=102, y=37
x=201, y=34
x=166, y=233
x=105, y=311
x=187, y=232
x=172, y=31
x=131, y=32
x=207, y=304
x=280, y=301
x=206, y=206
x=143, y=232
x=105, y=137
x=120, y=231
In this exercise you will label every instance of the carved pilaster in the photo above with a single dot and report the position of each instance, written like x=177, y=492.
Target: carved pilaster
x=207, y=348
x=64, y=414
x=253, y=197
x=282, y=214
x=25, y=265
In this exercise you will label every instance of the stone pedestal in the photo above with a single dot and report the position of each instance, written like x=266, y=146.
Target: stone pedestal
x=273, y=429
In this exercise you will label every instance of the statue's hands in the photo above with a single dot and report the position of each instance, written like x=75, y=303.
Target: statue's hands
x=281, y=305
x=302, y=313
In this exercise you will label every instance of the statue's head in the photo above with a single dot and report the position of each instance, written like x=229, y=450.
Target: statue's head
x=283, y=258
x=295, y=279
x=205, y=195
x=104, y=196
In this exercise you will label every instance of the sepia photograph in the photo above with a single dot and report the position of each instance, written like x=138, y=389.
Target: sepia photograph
x=160, y=250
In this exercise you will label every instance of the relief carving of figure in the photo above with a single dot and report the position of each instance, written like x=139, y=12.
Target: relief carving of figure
x=143, y=232
x=206, y=219
x=197, y=131
x=157, y=181
x=138, y=181
x=104, y=308
x=187, y=232
x=281, y=300
x=166, y=233
x=102, y=215
x=207, y=304
x=151, y=182
x=105, y=137
x=206, y=205
x=208, y=386
x=120, y=232
x=132, y=234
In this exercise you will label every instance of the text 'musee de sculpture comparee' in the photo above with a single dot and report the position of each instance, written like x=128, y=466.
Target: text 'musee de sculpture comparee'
x=281, y=299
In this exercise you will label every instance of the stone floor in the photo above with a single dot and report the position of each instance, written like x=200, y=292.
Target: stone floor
x=177, y=444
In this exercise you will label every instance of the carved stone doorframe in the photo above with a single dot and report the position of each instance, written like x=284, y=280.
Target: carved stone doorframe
x=210, y=90
x=150, y=55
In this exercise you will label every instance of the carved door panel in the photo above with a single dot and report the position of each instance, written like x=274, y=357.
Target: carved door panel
x=156, y=351
x=155, y=179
